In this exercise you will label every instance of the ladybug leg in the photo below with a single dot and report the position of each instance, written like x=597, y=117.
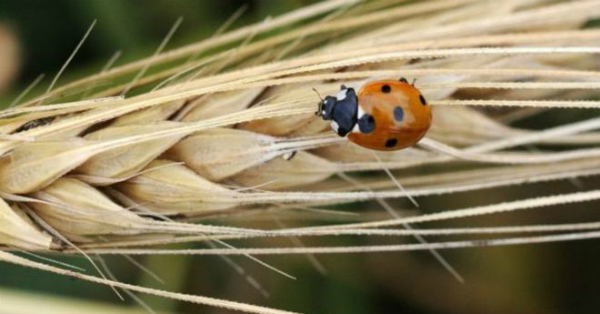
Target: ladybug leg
x=403, y=80
x=414, y=81
x=289, y=155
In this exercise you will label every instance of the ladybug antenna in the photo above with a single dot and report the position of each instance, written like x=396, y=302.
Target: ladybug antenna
x=318, y=112
x=316, y=91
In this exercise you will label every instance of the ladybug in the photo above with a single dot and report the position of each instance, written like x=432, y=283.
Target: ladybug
x=386, y=115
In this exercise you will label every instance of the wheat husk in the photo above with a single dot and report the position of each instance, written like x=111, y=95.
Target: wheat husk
x=170, y=188
x=220, y=153
x=77, y=209
x=280, y=173
x=35, y=165
x=121, y=163
x=18, y=231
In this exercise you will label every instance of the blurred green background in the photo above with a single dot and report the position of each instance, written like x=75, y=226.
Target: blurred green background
x=550, y=278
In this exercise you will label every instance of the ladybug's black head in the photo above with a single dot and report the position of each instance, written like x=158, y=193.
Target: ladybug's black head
x=326, y=107
x=342, y=110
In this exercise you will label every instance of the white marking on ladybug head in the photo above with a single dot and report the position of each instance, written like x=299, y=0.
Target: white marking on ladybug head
x=334, y=126
x=341, y=95
x=360, y=113
x=356, y=129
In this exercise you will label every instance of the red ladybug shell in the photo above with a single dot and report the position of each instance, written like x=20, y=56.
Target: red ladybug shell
x=397, y=115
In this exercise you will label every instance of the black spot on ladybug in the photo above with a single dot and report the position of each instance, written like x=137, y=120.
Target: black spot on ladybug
x=398, y=114
x=391, y=143
x=366, y=123
x=422, y=99
x=386, y=89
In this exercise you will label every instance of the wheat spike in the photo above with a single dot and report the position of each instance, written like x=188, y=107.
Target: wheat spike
x=225, y=129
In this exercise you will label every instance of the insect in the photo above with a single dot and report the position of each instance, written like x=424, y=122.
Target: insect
x=385, y=115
